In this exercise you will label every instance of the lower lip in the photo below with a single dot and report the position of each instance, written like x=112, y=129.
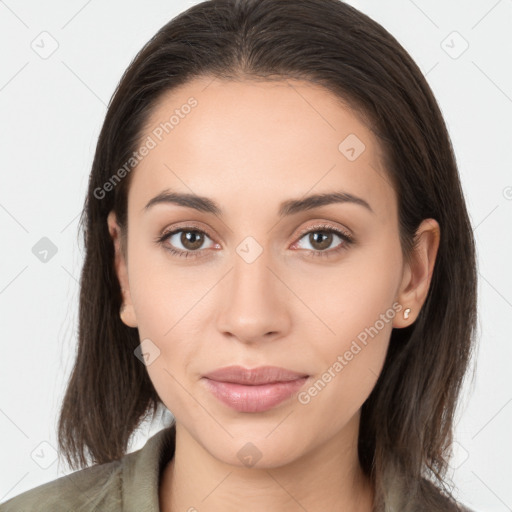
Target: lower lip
x=253, y=398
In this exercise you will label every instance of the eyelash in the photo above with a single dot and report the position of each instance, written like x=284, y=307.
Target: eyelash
x=323, y=228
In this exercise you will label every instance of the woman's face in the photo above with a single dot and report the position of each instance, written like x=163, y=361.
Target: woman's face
x=263, y=275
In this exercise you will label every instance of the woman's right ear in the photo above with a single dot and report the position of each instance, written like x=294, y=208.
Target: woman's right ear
x=127, y=312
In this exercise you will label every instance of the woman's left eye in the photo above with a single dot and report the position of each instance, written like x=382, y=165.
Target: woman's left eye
x=192, y=240
x=321, y=238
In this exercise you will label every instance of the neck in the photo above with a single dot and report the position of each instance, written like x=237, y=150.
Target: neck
x=328, y=477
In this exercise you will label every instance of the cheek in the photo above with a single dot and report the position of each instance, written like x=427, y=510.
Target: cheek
x=168, y=332
x=164, y=291
x=349, y=366
x=352, y=295
x=164, y=299
x=357, y=307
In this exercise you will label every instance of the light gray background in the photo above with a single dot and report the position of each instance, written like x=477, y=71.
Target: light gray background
x=51, y=112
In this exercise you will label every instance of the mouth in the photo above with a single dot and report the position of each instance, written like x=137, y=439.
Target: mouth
x=253, y=390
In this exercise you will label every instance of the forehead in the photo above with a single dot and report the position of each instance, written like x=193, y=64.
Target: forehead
x=248, y=141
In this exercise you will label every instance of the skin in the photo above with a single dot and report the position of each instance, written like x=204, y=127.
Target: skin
x=249, y=146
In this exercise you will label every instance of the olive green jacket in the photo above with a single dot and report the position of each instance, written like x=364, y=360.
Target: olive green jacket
x=130, y=484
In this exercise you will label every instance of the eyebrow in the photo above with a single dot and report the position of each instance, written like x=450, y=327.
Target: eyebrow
x=287, y=208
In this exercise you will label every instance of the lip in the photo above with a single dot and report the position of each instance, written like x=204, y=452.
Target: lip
x=254, y=376
x=253, y=390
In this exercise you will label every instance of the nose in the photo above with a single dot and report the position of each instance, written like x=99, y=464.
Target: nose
x=255, y=301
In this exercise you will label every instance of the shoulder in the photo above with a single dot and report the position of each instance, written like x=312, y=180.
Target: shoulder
x=133, y=479
x=96, y=486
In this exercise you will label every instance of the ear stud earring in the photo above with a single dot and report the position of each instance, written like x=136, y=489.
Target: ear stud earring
x=406, y=313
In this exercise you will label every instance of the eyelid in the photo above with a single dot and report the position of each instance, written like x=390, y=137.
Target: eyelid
x=191, y=225
x=325, y=225
x=184, y=226
x=302, y=232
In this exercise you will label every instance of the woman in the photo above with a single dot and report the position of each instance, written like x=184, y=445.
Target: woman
x=278, y=252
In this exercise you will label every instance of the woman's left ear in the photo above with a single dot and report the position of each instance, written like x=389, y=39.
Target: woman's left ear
x=418, y=272
x=127, y=312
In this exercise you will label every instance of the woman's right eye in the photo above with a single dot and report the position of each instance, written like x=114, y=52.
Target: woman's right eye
x=190, y=239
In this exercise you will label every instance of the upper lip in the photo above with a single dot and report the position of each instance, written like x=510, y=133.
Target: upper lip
x=253, y=376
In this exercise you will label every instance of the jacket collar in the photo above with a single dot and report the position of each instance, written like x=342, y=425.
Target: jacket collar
x=142, y=471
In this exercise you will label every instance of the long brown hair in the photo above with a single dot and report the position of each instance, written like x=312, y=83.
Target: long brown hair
x=406, y=423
